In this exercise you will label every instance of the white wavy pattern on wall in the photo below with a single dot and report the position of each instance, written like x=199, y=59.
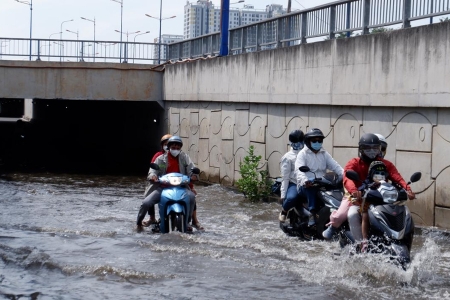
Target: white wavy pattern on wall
x=217, y=137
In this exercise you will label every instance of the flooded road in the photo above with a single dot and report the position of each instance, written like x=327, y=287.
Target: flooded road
x=73, y=237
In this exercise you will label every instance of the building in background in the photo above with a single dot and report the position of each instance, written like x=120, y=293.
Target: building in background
x=165, y=39
x=203, y=17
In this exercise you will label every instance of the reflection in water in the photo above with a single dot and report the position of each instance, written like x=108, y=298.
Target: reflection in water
x=69, y=236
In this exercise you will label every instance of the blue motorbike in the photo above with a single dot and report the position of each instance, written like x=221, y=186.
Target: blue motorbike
x=174, y=205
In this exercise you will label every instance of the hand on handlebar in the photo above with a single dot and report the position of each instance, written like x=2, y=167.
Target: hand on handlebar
x=411, y=195
x=308, y=184
x=356, y=197
x=154, y=178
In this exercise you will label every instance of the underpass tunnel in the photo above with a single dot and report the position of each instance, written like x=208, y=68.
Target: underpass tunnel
x=84, y=136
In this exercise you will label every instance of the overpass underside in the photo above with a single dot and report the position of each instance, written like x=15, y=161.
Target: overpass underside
x=79, y=136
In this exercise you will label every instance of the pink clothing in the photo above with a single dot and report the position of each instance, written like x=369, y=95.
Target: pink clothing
x=339, y=216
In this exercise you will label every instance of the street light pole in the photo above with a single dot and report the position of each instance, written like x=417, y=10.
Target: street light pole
x=127, y=33
x=77, y=38
x=160, y=20
x=134, y=42
x=121, y=18
x=31, y=18
x=60, y=39
x=49, y=44
x=86, y=19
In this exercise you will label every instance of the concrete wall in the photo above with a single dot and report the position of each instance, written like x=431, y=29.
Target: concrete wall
x=395, y=84
x=79, y=81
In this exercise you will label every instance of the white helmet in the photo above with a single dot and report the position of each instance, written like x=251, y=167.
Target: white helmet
x=383, y=144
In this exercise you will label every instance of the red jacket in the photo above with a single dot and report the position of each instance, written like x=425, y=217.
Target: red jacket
x=362, y=168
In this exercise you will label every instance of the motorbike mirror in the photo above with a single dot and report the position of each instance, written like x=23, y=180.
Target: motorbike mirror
x=196, y=170
x=304, y=169
x=352, y=175
x=154, y=166
x=416, y=177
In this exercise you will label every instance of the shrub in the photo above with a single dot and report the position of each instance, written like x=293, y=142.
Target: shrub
x=255, y=184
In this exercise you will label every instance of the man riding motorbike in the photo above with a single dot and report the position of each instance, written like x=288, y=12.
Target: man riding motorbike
x=173, y=161
x=369, y=151
x=319, y=161
x=288, y=189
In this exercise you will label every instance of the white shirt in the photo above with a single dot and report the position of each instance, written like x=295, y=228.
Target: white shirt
x=318, y=163
x=287, y=167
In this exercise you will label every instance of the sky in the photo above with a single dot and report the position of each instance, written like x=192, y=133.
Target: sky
x=49, y=16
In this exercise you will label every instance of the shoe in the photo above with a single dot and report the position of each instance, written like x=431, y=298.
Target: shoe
x=282, y=216
x=151, y=221
x=198, y=226
x=329, y=232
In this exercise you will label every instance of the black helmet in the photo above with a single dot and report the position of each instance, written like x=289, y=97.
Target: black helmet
x=296, y=136
x=378, y=171
x=369, y=147
x=313, y=133
x=175, y=140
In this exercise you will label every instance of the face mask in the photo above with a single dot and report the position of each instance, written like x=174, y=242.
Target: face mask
x=166, y=148
x=371, y=153
x=174, y=152
x=297, y=146
x=316, y=145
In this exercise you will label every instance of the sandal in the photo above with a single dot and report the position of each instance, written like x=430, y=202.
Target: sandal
x=198, y=226
x=148, y=223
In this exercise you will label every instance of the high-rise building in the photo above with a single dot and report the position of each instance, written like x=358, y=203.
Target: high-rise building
x=203, y=18
x=165, y=39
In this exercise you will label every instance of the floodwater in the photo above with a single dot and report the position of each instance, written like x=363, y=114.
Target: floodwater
x=72, y=237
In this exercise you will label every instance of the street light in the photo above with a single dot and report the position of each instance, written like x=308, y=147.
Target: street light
x=160, y=20
x=31, y=17
x=86, y=19
x=77, y=38
x=60, y=39
x=134, y=42
x=127, y=34
x=121, y=18
x=49, y=44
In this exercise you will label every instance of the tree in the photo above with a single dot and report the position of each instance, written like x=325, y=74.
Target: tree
x=255, y=184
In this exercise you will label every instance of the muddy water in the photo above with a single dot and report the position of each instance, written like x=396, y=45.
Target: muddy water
x=72, y=237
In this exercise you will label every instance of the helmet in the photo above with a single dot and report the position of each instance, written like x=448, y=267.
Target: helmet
x=165, y=138
x=296, y=136
x=369, y=147
x=175, y=139
x=313, y=133
x=378, y=171
x=383, y=144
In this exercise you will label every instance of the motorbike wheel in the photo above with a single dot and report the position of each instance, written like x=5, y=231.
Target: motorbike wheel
x=179, y=222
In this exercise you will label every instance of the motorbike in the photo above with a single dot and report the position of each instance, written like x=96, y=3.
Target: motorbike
x=174, y=205
x=391, y=225
x=329, y=195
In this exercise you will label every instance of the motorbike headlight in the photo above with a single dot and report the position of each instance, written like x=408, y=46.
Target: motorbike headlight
x=175, y=180
x=389, y=193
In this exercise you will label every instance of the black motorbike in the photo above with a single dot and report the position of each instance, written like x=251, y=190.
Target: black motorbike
x=391, y=225
x=329, y=196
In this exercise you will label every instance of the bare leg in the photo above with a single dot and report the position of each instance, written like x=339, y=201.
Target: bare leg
x=365, y=225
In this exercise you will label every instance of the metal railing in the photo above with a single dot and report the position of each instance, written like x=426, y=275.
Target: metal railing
x=79, y=50
x=321, y=21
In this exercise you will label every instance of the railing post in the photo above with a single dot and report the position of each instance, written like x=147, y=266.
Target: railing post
x=191, y=48
x=258, y=37
x=82, y=51
x=279, y=32
x=406, y=13
x=211, y=45
x=243, y=39
x=180, y=50
x=332, y=21
x=304, y=28
x=39, y=51
x=366, y=17
x=231, y=41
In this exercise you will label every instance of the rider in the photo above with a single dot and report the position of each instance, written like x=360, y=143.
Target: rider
x=369, y=151
x=339, y=216
x=173, y=161
x=164, y=149
x=319, y=161
x=288, y=189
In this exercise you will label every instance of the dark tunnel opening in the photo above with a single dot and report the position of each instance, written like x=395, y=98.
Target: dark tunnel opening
x=83, y=136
